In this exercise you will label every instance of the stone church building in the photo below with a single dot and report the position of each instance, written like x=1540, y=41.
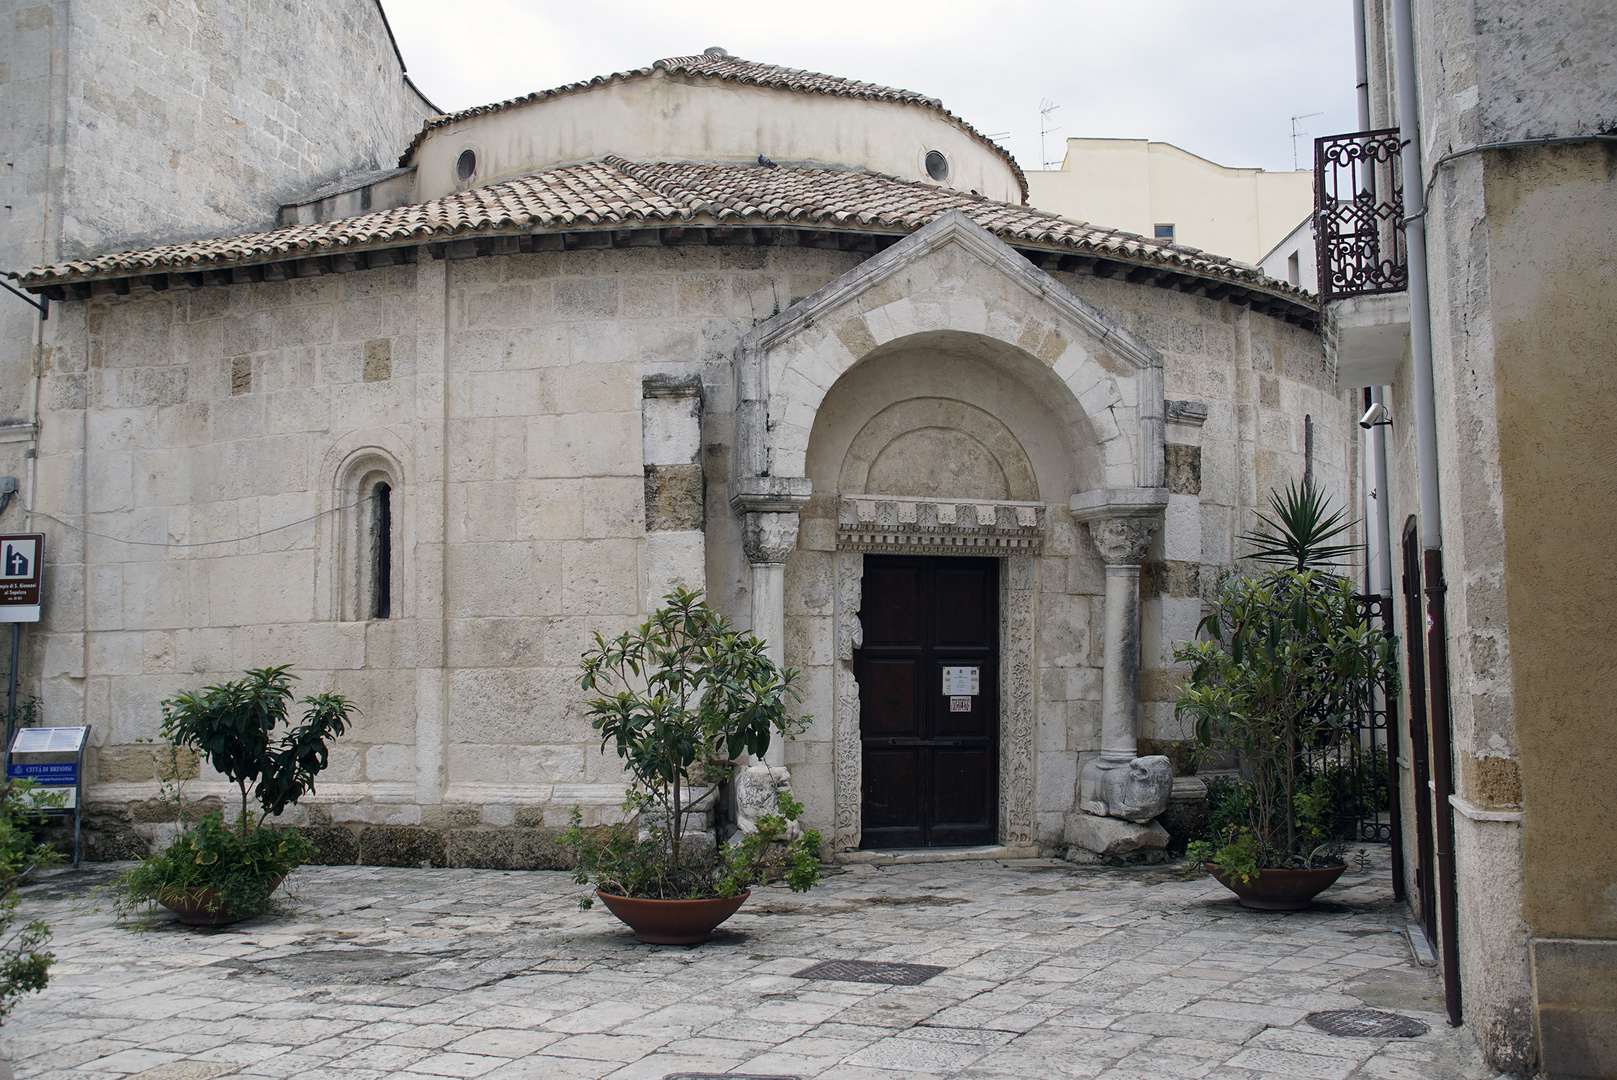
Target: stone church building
x=786, y=337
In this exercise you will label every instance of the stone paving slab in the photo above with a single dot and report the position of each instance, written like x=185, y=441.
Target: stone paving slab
x=1051, y=970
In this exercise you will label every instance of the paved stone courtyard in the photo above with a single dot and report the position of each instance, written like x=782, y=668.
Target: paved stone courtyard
x=1051, y=971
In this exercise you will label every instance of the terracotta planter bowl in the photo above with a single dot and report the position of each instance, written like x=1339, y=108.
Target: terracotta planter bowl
x=671, y=922
x=192, y=906
x=1278, y=890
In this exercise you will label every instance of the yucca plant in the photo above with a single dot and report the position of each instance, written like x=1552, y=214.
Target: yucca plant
x=1299, y=534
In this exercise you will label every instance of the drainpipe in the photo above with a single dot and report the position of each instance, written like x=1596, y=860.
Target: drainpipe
x=1378, y=512
x=1437, y=654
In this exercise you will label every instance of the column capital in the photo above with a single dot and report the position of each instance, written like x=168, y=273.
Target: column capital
x=1122, y=541
x=1121, y=520
x=769, y=538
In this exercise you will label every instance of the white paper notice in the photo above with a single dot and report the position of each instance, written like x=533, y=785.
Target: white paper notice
x=960, y=680
x=960, y=704
x=48, y=740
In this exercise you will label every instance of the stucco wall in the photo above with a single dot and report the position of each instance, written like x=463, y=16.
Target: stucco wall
x=1553, y=320
x=1134, y=184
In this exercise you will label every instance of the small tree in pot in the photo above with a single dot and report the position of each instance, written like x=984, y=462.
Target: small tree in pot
x=682, y=697
x=1280, y=677
x=214, y=873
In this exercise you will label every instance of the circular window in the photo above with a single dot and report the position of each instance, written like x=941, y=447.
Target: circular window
x=937, y=166
x=466, y=165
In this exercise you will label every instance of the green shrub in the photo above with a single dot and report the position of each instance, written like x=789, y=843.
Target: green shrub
x=242, y=870
x=24, y=966
x=235, y=726
x=681, y=698
x=1281, y=680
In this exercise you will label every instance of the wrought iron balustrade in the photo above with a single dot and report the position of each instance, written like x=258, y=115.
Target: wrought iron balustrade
x=1359, y=214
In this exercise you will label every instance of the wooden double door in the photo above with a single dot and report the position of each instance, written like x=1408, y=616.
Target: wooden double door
x=929, y=701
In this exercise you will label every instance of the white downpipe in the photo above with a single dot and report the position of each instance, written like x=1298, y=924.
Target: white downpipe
x=1378, y=501
x=1380, y=505
x=1361, y=65
x=1420, y=310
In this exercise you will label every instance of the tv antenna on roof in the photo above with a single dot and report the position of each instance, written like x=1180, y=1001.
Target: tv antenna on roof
x=1295, y=133
x=1046, y=107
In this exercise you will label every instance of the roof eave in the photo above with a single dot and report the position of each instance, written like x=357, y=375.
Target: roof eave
x=1095, y=259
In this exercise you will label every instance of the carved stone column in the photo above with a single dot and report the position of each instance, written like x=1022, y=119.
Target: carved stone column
x=1118, y=784
x=769, y=539
x=1122, y=543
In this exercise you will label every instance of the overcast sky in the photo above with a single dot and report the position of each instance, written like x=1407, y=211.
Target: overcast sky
x=1221, y=78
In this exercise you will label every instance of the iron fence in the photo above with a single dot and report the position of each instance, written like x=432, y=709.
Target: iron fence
x=1376, y=748
x=1359, y=214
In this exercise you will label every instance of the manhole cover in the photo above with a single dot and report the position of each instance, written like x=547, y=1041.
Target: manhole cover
x=725, y=1076
x=1367, y=1024
x=871, y=971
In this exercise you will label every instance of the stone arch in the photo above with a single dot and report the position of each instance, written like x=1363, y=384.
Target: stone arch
x=950, y=296
x=950, y=280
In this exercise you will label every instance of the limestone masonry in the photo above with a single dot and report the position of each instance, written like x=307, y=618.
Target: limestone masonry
x=577, y=384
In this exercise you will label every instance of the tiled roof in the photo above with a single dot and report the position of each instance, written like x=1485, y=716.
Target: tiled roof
x=614, y=193
x=715, y=63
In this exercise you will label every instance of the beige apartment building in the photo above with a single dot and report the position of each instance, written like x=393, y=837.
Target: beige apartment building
x=1156, y=189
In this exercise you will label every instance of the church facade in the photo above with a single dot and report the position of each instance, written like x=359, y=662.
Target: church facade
x=788, y=338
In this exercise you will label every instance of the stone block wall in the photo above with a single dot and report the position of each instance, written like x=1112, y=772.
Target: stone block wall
x=1268, y=393
x=505, y=400
x=129, y=124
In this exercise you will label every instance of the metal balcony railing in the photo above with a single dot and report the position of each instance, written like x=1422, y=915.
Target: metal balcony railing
x=1359, y=214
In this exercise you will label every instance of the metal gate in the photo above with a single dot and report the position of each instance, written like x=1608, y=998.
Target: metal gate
x=1372, y=774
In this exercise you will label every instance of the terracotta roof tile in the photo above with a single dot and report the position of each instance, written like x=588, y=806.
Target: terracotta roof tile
x=715, y=63
x=617, y=193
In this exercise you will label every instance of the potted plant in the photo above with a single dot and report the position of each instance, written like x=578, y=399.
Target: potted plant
x=1279, y=679
x=682, y=697
x=213, y=873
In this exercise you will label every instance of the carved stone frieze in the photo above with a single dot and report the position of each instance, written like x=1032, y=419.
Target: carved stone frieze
x=1122, y=540
x=894, y=524
x=770, y=537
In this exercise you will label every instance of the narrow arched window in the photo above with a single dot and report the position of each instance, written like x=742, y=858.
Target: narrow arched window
x=370, y=571
x=381, y=551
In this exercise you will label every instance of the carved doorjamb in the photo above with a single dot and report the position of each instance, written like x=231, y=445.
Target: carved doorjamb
x=1016, y=723
x=1016, y=717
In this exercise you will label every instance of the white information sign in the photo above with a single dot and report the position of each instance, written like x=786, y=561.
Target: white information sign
x=53, y=798
x=960, y=704
x=49, y=740
x=961, y=680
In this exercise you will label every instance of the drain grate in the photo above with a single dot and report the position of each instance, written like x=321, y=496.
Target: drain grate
x=1367, y=1024
x=871, y=971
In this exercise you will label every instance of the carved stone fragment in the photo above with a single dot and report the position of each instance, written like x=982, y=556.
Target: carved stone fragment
x=1136, y=790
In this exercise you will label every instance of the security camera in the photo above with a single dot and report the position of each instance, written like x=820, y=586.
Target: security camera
x=1374, y=415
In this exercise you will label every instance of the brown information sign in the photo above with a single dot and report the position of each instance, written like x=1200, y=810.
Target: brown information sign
x=21, y=556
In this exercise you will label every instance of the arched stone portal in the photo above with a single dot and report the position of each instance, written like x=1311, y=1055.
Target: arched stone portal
x=944, y=397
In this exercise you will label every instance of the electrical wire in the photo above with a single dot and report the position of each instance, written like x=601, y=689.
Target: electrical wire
x=195, y=544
